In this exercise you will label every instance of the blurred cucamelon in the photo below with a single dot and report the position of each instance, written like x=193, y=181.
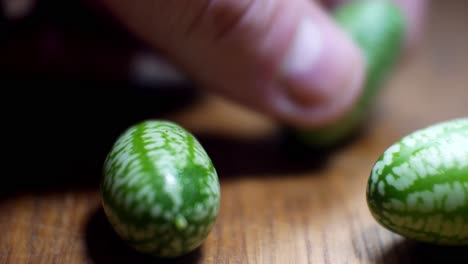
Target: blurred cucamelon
x=418, y=188
x=160, y=190
x=378, y=29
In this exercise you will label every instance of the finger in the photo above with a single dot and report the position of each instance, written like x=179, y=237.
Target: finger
x=287, y=59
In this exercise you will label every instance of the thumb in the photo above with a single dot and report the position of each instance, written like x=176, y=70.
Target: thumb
x=286, y=59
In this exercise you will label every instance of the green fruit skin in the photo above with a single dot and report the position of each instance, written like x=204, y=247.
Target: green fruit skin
x=419, y=186
x=378, y=28
x=160, y=190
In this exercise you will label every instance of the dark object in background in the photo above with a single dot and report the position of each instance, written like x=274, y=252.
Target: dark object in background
x=66, y=75
x=68, y=39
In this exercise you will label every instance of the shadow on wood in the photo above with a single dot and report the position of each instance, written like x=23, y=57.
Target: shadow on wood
x=279, y=153
x=104, y=246
x=261, y=157
x=407, y=251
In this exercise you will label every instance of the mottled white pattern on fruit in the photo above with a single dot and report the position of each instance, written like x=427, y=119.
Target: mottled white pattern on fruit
x=121, y=162
x=382, y=187
x=454, y=197
x=420, y=201
x=173, y=189
x=199, y=212
x=200, y=158
x=401, y=183
x=381, y=164
x=402, y=221
x=167, y=160
x=425, y=162
x=430, y=162
x=146, y=194
x=419, y=187
x=409, y=142
x=446, y=196
x=143, y=173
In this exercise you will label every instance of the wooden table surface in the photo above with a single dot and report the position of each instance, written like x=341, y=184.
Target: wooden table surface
x=276, y=207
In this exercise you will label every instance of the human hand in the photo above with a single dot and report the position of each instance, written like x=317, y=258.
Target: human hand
x=286, y=59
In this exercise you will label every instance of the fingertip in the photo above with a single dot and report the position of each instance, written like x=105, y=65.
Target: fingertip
x=323, y=72
x=295, y=112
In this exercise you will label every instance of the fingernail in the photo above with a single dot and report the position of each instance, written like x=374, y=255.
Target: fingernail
x=319, y=62
x=304, y=51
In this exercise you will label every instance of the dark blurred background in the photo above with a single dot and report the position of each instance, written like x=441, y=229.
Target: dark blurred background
x=71, y=81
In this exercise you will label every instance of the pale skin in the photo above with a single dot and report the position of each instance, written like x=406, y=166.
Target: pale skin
x=285, y=59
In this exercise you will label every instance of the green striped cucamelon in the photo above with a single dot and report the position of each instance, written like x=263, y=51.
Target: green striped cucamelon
x=377, y=27
x=419, y=186
x=160, y=190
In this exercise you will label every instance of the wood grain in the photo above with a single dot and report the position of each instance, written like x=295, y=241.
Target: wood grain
x=278, y=206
